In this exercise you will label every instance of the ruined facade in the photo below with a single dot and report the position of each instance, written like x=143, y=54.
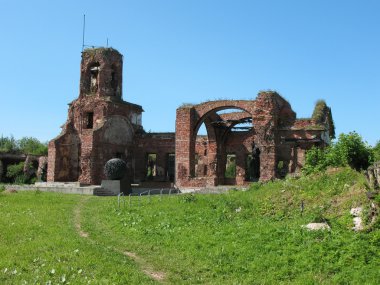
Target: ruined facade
x=101, y=126
x=247, y=140
x=271, y=144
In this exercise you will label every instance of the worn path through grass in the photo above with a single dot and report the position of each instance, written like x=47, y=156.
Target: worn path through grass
x=143, y=264
x=42, y=242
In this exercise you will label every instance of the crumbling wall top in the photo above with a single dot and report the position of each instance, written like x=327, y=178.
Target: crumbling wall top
x=101, y=73
x=102, y=52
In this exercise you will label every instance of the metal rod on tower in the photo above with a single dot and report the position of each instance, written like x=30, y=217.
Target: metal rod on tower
x=107, y=42
x=84, y=27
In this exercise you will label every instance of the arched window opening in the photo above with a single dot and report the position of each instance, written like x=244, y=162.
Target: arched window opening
x=94, y=77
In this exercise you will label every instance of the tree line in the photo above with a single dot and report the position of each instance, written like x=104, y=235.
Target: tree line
x=25, y=145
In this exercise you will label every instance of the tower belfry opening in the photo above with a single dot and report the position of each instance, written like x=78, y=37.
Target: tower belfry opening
x=94, y=72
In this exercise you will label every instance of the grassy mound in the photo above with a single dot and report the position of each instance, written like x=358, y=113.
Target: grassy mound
x=251, y=237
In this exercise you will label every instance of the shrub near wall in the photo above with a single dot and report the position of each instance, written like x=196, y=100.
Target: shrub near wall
x=376, y=152
x=15, y=173
x=349, y=150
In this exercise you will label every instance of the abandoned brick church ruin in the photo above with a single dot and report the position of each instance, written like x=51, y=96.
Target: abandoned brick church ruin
x=247, y=140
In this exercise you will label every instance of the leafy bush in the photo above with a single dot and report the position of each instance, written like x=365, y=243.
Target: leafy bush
x=319, y=111
x=15, y=174
x=322, y=114
x=231, y=166
x=315, y=160
x=349, y=150
x=21, y=179
x=376, y=151
x=15, y=170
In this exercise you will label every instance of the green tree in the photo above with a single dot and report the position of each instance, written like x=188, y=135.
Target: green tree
x=8, y=144
x=351, y=150
x=30, y=145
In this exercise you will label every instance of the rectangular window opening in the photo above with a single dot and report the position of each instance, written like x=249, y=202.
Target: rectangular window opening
x=230, y=166
x=89, y=120
x=151, y=165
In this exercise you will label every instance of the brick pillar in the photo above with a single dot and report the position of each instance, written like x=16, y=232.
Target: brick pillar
x=221, y=162
x=267, y=163
x=240, y=168
x=86, y=159
x=184, y=146
x=51, y=162
x=212, y=158
x=212, y=154
x=265, y=119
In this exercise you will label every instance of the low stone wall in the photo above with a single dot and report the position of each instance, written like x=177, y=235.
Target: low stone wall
x=373, y=175
x=68, y=188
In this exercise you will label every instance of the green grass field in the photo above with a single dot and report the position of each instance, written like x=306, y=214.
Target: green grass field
x=251, y=237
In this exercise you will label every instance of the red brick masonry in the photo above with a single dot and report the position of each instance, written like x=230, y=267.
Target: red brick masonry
x=101, y=126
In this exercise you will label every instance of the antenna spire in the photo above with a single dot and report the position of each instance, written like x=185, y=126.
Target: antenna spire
x=84, y=27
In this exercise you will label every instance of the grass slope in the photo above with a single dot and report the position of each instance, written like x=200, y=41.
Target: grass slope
x=39, y=245
x=252, y=237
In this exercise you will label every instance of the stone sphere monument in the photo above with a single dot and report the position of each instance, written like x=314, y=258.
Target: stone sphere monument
x=117, y=180
x=115, y=169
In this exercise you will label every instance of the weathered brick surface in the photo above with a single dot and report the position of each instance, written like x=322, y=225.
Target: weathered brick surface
x=101, y=126
x=275, y=132
x=161, y=144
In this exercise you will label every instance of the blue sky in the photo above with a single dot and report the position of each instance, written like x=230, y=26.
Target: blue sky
x=189, y=51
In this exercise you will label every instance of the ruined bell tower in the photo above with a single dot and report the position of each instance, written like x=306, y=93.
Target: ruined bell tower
x=100, y=124
x=101, y=73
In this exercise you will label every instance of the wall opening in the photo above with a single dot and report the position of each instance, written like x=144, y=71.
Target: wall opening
x=151, y=166
x=94, y=80
x=252, y=171
x=170, y=168
x=89, y=120
x=230, y=171
x=249, y=174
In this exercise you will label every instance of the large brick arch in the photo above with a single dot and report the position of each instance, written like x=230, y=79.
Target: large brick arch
x=269, y=111
x=203, y=110
x=189, y=120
